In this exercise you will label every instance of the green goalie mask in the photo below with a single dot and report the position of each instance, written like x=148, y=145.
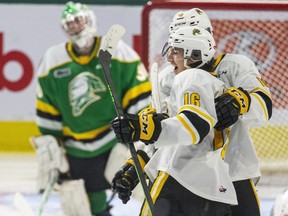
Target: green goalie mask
x=79, y=23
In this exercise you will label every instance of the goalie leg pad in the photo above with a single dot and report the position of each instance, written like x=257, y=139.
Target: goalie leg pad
x=51, y=159
x=74, y=199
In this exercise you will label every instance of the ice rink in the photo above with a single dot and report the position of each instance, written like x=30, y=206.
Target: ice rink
x=18, y=174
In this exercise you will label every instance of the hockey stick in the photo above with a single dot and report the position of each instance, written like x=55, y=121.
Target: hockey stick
x=112, y=37
x=47, y=192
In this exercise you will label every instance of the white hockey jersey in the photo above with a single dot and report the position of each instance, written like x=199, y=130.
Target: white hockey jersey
x=185, y=147
x=239, y=71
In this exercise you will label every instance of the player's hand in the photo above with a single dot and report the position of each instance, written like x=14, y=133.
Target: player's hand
x=146, y=126
x=124, y=181
x=231, y=104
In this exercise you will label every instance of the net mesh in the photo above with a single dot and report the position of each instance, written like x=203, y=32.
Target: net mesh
x=259, y=35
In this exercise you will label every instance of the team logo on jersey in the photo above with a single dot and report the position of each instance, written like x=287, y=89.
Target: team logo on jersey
x=82, y=91
x=222, y=189
x=62, y=72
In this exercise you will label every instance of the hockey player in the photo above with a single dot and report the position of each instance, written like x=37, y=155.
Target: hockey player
x=74, y=110
x=188, y=173
x=236, y=71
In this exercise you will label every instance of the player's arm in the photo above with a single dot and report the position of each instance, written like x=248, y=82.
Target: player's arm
x=243, y=75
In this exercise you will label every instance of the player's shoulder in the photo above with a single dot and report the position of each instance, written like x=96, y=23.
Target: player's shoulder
x=237, y=59
x=195, y=76
x=125, y=53
x=55, y=49
x=54, y=56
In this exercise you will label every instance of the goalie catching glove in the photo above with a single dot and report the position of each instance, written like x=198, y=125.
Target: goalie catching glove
x=146, y=126
x=126, y=179
x=232, y=103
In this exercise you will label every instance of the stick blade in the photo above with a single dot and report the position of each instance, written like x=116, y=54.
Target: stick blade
x=112, y=37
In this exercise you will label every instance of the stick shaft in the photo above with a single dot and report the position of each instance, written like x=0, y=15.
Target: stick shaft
x=105, y=57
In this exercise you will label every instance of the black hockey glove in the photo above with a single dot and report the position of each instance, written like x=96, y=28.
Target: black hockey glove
x=146, y=126
x=232, y=103
x=126, y=179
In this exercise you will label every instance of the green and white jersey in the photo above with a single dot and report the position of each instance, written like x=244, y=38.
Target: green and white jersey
x=73, y=100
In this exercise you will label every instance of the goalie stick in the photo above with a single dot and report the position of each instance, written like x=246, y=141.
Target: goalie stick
x=47, y=192
x=111, y=39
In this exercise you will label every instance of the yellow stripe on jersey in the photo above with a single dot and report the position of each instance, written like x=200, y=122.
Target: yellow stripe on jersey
x=262, y=104
x=135, y=92
x=87, y=135
x=219, y=141
x=155, y=191
x=255, y=193
x=196, y=110
x=188, y=128
x=46, y=108
x=83, y=59
x=223, y=152
x=217, y=61
x=262, y=90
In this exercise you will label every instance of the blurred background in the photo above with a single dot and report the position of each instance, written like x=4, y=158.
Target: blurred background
x=257, y=29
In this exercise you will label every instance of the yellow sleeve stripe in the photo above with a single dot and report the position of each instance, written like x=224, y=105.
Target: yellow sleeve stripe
x=87, y=135
x=135, y=92
x=188, y=128
x=262, y=90
x=259, y=99
x=46, y=108
x=196, y=110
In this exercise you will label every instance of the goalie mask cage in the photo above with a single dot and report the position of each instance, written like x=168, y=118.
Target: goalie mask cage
x=258, y=30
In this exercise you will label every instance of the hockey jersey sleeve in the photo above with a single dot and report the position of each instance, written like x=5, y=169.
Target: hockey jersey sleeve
x=48, y=117
x=242, y=72
x=193, y=108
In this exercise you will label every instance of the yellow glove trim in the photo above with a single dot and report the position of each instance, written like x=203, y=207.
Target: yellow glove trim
x=142, y=162
x=147, y=125
x=240, y=97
